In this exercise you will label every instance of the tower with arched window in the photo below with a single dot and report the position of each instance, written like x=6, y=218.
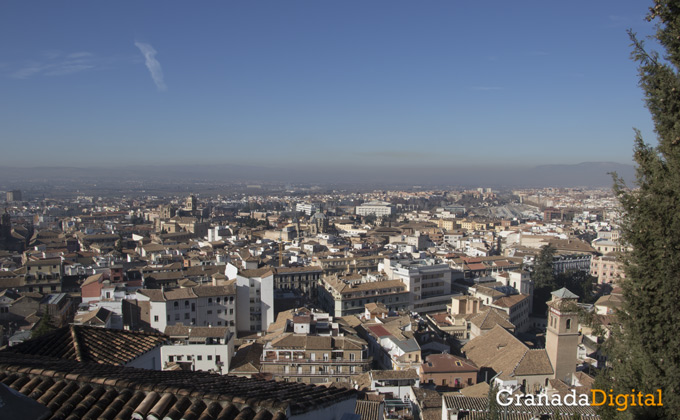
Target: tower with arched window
x=561, y=341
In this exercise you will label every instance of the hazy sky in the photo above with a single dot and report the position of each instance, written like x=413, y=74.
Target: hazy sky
x=395, y=82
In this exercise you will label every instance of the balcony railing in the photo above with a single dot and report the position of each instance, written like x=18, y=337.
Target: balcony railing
x=333, y=361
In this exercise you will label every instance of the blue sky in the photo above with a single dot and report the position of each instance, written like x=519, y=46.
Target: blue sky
x=345, y=82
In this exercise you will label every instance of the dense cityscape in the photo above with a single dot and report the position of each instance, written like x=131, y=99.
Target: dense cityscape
x=404, y=295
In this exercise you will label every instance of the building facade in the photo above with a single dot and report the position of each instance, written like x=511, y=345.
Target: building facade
x=315, y=359
x=192, y=306
x=339, y=296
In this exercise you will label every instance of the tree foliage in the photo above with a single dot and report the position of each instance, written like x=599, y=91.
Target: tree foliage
x=643, y=350
x=578, y=282
x=544, y=278
x=44, y=325
x=543, y=274
x=494, y=409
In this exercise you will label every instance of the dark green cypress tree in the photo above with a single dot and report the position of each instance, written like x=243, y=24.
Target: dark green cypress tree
x=644, y=353
x=543, y=277
x=494, y=409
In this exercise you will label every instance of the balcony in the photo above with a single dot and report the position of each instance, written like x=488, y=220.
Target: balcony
x=329, y=362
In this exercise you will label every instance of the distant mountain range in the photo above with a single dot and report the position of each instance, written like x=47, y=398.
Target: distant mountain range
x=587, y=174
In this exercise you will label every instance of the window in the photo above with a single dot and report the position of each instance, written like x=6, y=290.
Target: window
x=155, y=318
x=186, y=315
x=186, y=303
x=176, y=304
x=568, y=324
x=199, y=357
x=231, y=312
x=176, y=317
x=209, y=301
x=217, y=358
x=209, y=357
x=209, y=312
x=171, y=358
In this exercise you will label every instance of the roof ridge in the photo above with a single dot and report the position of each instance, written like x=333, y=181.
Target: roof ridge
x=519, y=362
x=76, y=344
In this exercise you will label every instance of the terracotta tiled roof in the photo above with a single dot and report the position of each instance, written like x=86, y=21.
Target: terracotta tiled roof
x=369, y=410
x=444, y=363
x=286, y=270
x=247, y=359
x=510, y=301
x=478, y=408
x=490, y=318
x=480, y=389
x=91, y=344
x=204, y=291
x=380, y=375
x=96, y=317
x=96, y=391
x=503, y=352
x=257, y=272
x=158, y=295
x=534, y=362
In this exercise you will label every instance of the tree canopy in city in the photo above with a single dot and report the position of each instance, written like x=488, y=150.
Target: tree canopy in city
x=643, y=350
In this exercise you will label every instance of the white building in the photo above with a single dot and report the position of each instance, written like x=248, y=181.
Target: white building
x=199, y=348
x=306, y=208
x=378, y=208
x=255, y=296
x=428, y=280
x=207, y=305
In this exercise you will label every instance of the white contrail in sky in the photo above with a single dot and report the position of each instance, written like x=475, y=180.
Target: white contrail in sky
x=152, y=64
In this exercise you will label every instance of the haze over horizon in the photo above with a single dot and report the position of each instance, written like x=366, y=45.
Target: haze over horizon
x=331, y=85
x=587, y=174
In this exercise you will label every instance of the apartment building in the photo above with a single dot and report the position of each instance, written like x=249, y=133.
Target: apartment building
x=341, y=296
x=303, y=279
x=255, y=293
x=43, y=276
x=310, y=349
x=198, y=348
x=306, y=208
x=607, y=269
x=391, y=343
x=378, y=208
x=349, y=264
x=207, y=305
x=428, y=281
